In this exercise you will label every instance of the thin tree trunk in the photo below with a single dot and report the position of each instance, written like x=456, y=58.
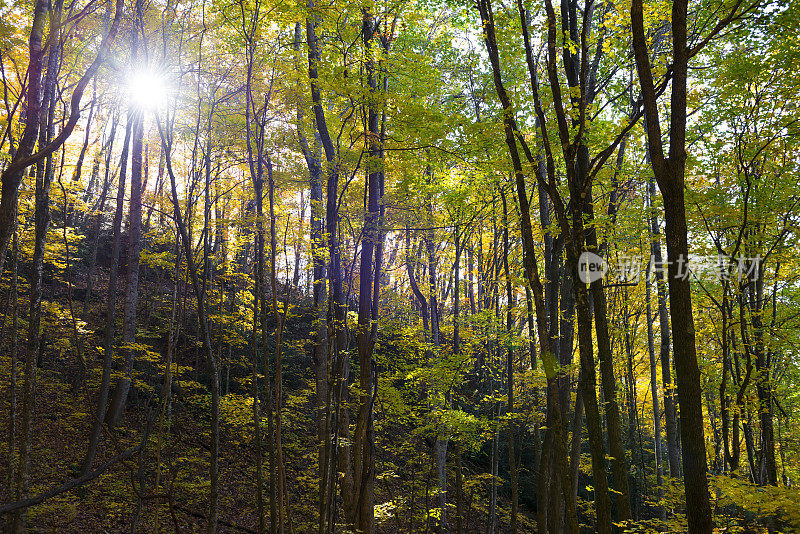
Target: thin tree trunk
x=76, y=177
x=511, y=303
x=319, y=343
x=296, y=244
x=98, y=217
x=213, y=510
x=73, y=319
x=12, y=416
x=460, y=491
x=441, y=441
x=608, y=380
x=575, y=445
x=129, y=317
x=111, y=309
x=491, y=524
x=284, y=517
x=639, y=486
x=44, y=174
x=258, y=292
x=554, y=418
x=166, y=388
x=363, y=438
x=471, y=276
x=336, y=306
x=651, y=351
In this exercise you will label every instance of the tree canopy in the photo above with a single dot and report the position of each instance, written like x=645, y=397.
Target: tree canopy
x=413, y=266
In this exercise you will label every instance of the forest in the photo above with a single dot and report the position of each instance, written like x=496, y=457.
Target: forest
x=399, y=266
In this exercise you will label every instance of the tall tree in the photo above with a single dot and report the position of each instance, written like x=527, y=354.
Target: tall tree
x=670, y=174
x=44, y=176
x=129, y=317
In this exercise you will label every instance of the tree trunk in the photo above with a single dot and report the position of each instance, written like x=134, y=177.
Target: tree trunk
x=763, y=387
x=258, y=292
x=638, y=483
x=363, y=439
x=433, y=309
x=284, y=516
x=337, y=337
x=651, y=351
x=608, y=380
x=589, y=394
x=511, y=303
x=554, y=417
x=213, y=510
x=76, y=177
x=111, y=311
x=12, y=175
x=670, y=408
x=129, y=317
x=99, y=216
x=14, y=349
x=44, y=175
x=693, y=449
x=670, y=174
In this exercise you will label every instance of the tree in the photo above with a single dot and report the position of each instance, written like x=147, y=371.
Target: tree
x=670, y=173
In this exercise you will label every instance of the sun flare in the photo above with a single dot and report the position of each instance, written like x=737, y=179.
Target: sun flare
x=147, y=89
